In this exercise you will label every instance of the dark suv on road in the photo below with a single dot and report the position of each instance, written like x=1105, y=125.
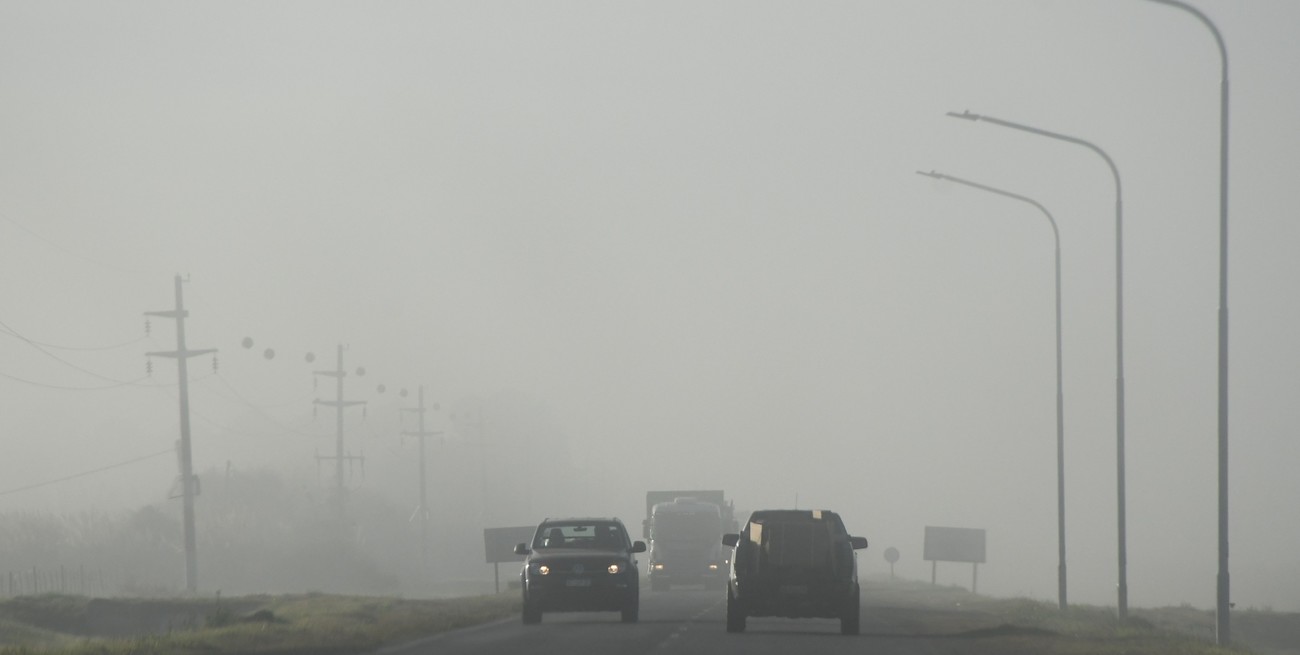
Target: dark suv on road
x=795, y=564
x=580, y=565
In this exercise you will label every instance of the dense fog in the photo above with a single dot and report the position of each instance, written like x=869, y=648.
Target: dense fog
x=637, y=246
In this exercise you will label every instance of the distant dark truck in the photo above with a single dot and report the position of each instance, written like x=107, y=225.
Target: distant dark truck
x=684, y=529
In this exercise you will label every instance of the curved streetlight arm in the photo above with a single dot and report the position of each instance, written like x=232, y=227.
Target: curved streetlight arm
x=1218, y=38
x=1049, y=134
x=1056, y=233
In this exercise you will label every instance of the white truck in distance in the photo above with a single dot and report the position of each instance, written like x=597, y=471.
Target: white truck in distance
x=684, y=530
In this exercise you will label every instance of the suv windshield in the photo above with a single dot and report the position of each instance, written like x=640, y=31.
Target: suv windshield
x=602, y=535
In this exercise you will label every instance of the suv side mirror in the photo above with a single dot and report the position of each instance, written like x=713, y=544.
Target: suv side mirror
x=730, y=540
x=638, y=546
x=858, y=542
x=521, y=549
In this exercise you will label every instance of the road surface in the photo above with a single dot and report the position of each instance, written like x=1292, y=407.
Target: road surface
x=684, y=622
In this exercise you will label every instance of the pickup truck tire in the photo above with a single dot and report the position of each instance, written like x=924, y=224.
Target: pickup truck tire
x=851, y=617
x=735, y=614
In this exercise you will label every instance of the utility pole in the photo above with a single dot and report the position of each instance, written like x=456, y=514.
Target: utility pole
x=189, y=483
x=339, y=404
x=423, y=508
x=482, y=461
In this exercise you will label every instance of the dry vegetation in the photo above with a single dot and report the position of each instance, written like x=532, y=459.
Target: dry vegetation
x=311, y=623
x=1018, y=625
x=321, y=623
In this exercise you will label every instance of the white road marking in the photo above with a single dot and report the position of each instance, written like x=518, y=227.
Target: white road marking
x=676, y=634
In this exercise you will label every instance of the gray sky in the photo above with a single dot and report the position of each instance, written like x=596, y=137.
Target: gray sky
x=691, y=232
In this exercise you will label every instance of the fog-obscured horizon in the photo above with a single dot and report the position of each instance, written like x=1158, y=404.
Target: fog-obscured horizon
x=639, y=246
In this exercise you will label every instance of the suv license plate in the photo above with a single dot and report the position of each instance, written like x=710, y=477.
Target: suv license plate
x=578, y=582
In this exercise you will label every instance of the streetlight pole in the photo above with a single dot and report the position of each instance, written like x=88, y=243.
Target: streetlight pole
x=1222, y=596
x=1060, y=396
x=1122, y=536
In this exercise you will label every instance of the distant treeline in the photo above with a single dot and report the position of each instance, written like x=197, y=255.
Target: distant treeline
x=256, y=534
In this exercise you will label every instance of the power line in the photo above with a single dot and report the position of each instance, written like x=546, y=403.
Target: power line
x=258, y=409
x=227, y=428
x=115, y=346
x=117, y=384
x=64, y=250
x=243, y=399
x=86, y=473
x=51, y=355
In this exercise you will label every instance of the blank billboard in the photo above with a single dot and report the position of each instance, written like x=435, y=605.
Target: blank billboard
x=954, y=544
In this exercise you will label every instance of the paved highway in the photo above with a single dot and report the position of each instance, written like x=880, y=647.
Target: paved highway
x=681, y=622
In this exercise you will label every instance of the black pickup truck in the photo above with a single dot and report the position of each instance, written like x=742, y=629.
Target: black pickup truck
x=794, y=564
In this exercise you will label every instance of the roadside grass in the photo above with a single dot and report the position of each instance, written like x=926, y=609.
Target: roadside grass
x=14, y=634
x=328, y=624
x=42, y=611
x=312, y=623
x=1023, y=626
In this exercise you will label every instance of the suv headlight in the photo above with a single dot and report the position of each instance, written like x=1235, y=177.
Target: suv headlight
x=542, y=569
x=615, y=568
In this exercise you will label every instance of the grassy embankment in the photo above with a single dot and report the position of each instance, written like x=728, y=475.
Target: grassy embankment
x=312, y=623
x=317, y=623
x=1012, y=626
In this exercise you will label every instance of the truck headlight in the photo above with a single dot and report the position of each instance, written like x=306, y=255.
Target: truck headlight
x=657, y=567
x=713, y=567
x=614, y=568
x=543, y=569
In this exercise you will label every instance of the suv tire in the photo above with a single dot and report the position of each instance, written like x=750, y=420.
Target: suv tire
x=531, y=614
